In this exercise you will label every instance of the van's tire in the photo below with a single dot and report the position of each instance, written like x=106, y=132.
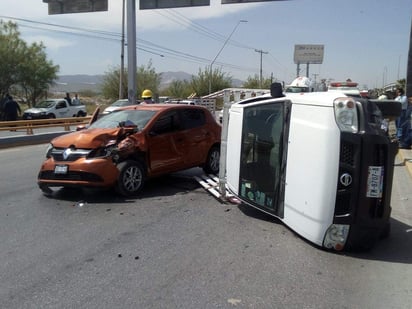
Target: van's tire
x=212, y=163
x=81, y=114
x=51, y=116
x=132, y=176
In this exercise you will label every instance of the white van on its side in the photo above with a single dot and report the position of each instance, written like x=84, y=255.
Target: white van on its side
x=321, y=162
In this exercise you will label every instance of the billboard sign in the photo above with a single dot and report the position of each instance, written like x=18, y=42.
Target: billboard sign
x=166, y=4
x=308, y=53
x=76, y=6
x=245, y=1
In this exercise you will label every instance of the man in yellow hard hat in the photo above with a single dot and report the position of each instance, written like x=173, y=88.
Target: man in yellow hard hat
x=147, y=96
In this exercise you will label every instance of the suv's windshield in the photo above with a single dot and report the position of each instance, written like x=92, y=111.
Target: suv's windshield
x=138, y=117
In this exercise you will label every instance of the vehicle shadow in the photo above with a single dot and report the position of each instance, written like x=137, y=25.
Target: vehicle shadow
x=168, y=185
x=396, y=248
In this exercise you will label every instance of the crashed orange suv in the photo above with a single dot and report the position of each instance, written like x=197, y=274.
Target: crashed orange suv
x=125, y=148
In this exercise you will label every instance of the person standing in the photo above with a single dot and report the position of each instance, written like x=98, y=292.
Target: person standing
x=76, y=100
x=403, y=122
x=11, y=109
x=3, y=102
x=68, y=98
x=147, y=97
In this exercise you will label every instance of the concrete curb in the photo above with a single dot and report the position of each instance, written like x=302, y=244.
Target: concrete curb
x=26, y=140
x=405, y=157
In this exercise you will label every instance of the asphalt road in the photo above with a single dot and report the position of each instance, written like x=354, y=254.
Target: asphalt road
x=176, y=246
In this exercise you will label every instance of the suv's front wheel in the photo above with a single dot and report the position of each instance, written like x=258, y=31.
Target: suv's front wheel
x=132, y=176
x=213, y=161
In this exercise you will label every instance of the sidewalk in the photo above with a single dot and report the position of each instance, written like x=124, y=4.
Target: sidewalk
x=405, y=157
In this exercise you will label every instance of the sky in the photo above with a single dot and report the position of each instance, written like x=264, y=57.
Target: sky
x=366, y=41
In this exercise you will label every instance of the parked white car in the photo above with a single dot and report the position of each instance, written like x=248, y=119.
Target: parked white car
x=116, y=105
x=54, y=108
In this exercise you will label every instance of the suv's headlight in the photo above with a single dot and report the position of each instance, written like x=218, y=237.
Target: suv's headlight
x=49, y=150
x=346, y=114
x=103, y=152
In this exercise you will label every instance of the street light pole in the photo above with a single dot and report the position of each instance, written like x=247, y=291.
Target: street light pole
x=122, y=56
x=217, y=55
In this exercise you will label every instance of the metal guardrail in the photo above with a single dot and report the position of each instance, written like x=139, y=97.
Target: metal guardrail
x=30, y=125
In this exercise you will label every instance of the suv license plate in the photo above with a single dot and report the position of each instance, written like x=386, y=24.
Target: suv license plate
x=375, y=181
x=60, y=169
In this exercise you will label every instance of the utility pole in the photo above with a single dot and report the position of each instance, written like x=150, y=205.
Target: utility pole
x=131, y=50
x=260, y=76
x=122, y=56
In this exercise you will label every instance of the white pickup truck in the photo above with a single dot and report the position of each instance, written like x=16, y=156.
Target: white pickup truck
x=54, y=108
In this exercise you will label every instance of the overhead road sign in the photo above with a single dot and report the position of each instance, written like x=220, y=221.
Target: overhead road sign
x=245, y=1
x=167, y=4
x=308, y=53
x=76, y=6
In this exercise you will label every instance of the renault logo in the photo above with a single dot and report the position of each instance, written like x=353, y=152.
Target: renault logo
x=66, y=153
x=345, y=179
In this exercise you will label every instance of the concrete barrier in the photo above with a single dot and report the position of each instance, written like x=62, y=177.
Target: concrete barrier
x=25, y=140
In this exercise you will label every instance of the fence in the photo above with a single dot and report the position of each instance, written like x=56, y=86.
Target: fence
x=31, y=125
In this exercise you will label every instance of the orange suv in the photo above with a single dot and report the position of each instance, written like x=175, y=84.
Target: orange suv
x=132, y=144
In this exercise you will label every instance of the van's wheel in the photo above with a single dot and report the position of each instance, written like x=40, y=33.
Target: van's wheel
x=213, y=161
x=51, y=116
x=45, y=189
x=132, y=176
x=81, y=114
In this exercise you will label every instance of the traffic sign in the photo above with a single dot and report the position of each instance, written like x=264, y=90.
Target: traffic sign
x=309, y=53
x=76, y=6
x=245, y=1
x=165, y=4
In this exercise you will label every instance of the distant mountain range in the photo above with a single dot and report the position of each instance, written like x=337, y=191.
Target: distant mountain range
x=82, y=82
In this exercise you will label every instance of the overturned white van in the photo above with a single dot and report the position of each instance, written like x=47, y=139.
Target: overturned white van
x=322, y=162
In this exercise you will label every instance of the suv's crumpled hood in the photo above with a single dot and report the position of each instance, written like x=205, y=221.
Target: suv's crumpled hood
x=87, y=139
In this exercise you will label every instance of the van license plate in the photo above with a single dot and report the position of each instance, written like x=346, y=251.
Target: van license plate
x=60, y=169
x=375, y=181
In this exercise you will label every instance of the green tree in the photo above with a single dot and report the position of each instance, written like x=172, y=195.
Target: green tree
x=23, y=67
x=179, y=89
x=254, y=82
x=216, y=81
x=11, y=54
x=401, y=83
x=146, y=78
x=36, y=73
x=111, y=82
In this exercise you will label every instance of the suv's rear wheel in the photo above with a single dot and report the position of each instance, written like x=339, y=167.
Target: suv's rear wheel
x=132, y=176
x=213, y=160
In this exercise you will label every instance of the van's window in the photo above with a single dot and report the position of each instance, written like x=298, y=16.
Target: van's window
x=261, y=154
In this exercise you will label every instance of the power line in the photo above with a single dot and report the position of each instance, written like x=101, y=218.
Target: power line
x=143, y=45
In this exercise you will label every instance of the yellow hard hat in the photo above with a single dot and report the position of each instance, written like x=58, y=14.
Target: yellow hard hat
x=147, y=94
